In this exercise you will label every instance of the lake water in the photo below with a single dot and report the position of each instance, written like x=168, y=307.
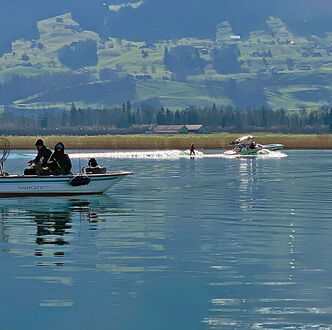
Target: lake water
x=205, y=243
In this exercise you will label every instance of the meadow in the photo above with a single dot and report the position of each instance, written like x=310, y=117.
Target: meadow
x=176, y=141
x=278, y=68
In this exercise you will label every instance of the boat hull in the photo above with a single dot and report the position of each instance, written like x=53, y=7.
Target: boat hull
x=246, y=154
x=250, y=152
x=32, y=185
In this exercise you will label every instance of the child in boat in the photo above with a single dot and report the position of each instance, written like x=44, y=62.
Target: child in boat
x=93, y=163
x=94, y=168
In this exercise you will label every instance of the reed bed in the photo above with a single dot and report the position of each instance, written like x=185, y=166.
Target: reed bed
x=176, y=141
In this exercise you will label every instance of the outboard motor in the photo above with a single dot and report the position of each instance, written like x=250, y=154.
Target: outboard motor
x=79, y=180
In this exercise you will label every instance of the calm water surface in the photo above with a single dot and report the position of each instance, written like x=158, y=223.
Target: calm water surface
x=208, y=243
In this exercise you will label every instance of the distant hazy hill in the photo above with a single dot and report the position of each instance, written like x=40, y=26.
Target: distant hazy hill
x=173, y=53
x=151, y=20
x=159, y=19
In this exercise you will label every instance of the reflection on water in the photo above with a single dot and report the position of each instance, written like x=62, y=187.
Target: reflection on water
x=187, y=244
x=53, y=221
x=51, y=227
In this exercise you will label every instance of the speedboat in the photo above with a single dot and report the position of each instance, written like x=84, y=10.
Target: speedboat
x=62, y=185
x=246, y=146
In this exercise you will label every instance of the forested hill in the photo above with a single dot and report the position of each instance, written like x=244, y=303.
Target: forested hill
x=173, y=53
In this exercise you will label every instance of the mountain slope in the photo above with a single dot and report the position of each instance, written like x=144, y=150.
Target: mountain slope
x=154, y=20
x=174, y=53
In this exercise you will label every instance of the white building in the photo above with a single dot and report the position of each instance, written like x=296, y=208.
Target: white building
x=235, y=38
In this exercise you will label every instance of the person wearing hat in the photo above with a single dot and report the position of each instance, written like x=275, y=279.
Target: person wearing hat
x=59, y=163
x=94, y=168
x=40, y=161
x=93, y=163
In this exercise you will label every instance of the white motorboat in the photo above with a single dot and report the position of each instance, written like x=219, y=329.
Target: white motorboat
x=90, y=181
x=246, y=146
x=62, y=185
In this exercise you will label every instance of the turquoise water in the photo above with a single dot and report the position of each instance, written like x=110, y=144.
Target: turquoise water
x=206, y=243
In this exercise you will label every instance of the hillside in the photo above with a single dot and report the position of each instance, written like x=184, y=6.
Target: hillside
x=225, y=59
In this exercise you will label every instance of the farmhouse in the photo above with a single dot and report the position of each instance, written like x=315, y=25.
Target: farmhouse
x=170, y=129
x=180, y=129
x=197, y=129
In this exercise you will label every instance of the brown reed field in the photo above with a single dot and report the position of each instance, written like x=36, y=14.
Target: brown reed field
x=176, y=141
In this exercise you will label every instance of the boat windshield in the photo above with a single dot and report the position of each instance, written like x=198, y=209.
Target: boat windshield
x=245, y=139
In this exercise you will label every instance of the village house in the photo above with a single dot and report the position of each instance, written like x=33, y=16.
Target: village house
x=170, y=129
x=180, y=129
x=235, y=38
x=197, y=129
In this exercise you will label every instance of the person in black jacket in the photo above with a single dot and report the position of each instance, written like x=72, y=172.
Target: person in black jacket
x=40, y=160
x=59, y=163
x=94, y=168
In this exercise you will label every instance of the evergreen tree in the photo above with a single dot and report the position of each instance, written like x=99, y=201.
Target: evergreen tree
x=330, y=119
x=177, y=117
x=73, y=116
x=169, y=117
x=161, y=117
x=64, y=119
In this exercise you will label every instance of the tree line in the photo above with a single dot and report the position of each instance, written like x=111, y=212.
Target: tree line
x=128, y=119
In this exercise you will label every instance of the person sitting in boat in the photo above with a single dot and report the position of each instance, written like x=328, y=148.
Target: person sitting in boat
x=252, y=145
x=59, y=163
x=94, y=167
x=40, y=160
x=93, y=163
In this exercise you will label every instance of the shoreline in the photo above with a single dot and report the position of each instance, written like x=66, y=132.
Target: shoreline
x=174, y=141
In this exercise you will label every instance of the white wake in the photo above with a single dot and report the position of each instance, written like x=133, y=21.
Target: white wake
x=162, y=154
x=146, y=154
x=267, y=154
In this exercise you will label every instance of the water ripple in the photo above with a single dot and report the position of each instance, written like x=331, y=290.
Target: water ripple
x=206, y=243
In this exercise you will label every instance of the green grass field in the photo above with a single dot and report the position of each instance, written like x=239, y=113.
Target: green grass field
x=288, y=87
